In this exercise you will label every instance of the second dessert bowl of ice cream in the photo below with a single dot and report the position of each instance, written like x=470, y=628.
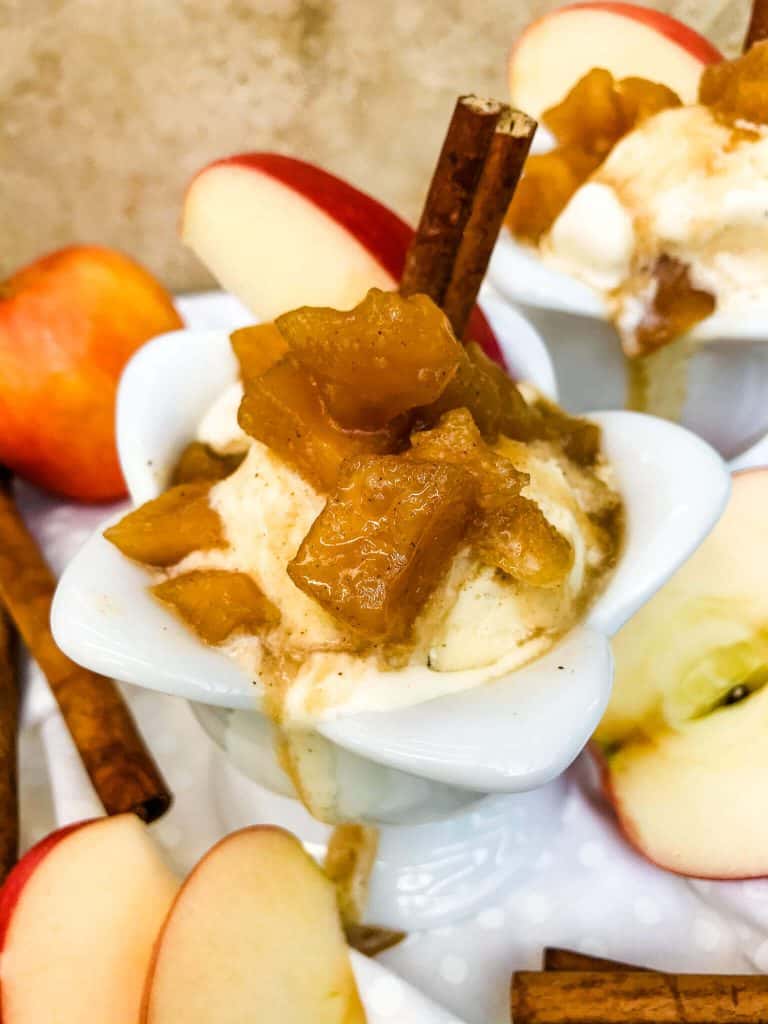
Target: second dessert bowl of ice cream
x=637, y=237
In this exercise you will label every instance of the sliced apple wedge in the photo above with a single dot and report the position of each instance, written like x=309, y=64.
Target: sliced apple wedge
x=254, y=935
x=556, y=50
x=279, y=233
x=688, y=798
x=683, y=740
x=79, y=916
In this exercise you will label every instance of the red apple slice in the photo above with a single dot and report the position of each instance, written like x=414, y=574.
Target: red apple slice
x=79, y=916
x=555, y=51
x=280, y=233
x=253, y=935
x=683, y=740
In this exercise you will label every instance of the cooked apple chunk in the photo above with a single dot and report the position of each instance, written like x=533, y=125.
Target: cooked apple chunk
x=518, y=539
x=677, y=306
x=165, y=530
x=489, y=393
x=199, y=462
x=283, y=409
x=737, y=90
x=457, y=440
x=511, y=532
x=217, y=603
x=257, y=348
x=379, y=547
x=387, y=355
x=587, y=123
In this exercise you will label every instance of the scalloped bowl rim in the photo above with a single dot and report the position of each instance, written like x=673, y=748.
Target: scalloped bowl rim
x=477, y=739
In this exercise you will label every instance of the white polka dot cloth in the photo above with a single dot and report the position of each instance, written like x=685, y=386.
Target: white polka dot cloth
x=589, y=891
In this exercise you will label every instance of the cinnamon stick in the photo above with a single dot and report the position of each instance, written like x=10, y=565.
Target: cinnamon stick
x=432, y=252
x=758, y=24
x=501, y=172
x=9, y=722
x=637, y=997
x=568, y=960
x=113, y=752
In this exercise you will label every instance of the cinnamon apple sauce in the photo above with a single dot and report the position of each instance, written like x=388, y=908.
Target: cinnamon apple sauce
x=376, y=516
x=659, y=207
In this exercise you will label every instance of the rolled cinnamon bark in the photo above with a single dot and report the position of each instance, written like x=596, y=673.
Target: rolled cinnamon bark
x=637, y=997
x=432, y=252
x=758, y=24
x=568, y=960
x=9, y=722
x=113, y=752
x=501, y=172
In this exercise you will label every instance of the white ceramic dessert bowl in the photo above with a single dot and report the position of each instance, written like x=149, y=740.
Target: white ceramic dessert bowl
x=508, y=736
x=424, y=770
x=727, y=373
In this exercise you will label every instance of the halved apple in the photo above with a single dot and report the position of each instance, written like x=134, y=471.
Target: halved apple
x=683, y=741
x=255, y=934
x=79, y=916
x=556, y=50
x=280, y=233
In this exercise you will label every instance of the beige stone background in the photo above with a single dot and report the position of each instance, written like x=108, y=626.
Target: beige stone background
x=108, y=106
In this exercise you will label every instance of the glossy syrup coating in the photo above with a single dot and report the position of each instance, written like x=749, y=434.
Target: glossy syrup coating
x=217, y=603
x=457, y=441
x=374, y=362
x=383, y=541
x=165, y=530
x=284, y=410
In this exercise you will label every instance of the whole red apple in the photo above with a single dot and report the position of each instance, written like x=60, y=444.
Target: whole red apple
x=68, y=324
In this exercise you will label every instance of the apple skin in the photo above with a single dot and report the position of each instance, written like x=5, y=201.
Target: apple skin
x=750, y=490
x=69, y=322
x=382, y=233
x=23, y=871
x=541, y=70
